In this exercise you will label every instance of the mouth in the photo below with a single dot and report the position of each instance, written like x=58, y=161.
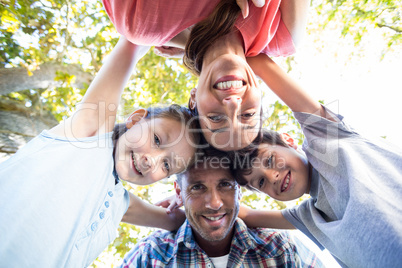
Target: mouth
x=135, y=167
x=214, y=220
x=229, y=82
x=286, y=183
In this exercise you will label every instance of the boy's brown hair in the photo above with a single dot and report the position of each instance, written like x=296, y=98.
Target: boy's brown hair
x=242, y=160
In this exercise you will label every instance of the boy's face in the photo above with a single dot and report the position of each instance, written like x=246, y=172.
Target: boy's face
x=280, y=172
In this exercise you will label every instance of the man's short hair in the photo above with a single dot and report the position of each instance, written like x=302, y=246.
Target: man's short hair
x=206, y=163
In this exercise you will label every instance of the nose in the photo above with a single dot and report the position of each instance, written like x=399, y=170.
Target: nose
x=213, y=200
x=147, y=162
x=232, y=105
x=273, y=176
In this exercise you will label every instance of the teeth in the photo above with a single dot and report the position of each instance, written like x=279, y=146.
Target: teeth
x=214, y=218
x=285, y=186
x=230, y=84
x=135, y=163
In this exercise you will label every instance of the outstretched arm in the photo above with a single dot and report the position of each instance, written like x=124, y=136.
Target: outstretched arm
x=97, y=111
x=264, y=219
x=294, y=16
x=285, y=87
x=142, y=213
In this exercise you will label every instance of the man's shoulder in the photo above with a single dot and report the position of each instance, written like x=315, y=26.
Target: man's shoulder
x=159, y=245
x=263, y=241
x=284, y=246
x=160, y=238
x=270, y=239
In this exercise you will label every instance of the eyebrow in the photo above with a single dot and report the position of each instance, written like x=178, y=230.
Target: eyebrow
x=223, y=129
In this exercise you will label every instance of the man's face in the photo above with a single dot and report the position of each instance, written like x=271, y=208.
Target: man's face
x=211, y=201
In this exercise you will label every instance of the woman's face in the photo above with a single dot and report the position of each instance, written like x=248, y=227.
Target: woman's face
x=228, y=102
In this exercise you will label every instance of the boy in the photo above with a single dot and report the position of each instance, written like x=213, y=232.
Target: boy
x=355, y=183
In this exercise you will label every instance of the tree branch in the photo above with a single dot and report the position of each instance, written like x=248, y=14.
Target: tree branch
x=17, y=79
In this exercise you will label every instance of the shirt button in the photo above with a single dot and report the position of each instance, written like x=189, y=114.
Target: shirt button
x=209, y=265
x=107, y=204
x=94, y=226
x=110, y=193
x=102, y=215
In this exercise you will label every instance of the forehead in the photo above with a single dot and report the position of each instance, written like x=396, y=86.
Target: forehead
x=208, y=174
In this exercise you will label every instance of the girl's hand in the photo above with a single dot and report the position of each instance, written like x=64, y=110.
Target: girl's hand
x=243, y=4
x=169, y=52
x=171, y=203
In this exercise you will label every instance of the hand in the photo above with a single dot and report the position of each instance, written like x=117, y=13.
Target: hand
x=243, y=4
x=171, y=203
x=169, y=52
x=176, y=219
x=243, y=211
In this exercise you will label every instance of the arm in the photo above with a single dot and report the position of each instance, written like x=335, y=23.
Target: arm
x=141, y=213
x=264, y=219
x=285, y=87
x=294, y=16
x=97, y=112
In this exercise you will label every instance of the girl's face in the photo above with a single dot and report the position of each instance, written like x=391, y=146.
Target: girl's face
x=228, y=102
x=153, y=149
x=280, y=172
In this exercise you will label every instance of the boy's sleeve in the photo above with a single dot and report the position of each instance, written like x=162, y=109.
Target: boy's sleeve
x=292, y=215
x=316, y=126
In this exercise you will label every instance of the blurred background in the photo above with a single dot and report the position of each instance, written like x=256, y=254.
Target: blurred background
x=50, y=50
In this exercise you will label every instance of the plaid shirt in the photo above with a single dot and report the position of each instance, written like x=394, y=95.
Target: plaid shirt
x=250, y=248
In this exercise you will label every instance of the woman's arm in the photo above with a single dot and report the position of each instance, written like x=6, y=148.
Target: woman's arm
x=294, y=16
x=97, y=111
x=291, y=93
x=141, y=213
x=264, y=219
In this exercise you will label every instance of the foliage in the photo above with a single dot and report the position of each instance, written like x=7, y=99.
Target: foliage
x=79, y=32
x=355, y=19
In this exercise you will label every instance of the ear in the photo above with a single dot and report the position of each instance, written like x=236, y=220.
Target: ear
x=179, y=200
x=192, y=103
x=136, y=117
x=289, y=140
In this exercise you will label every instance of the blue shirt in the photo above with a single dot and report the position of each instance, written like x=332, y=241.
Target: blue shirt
x=60, y=205
x=250, y=248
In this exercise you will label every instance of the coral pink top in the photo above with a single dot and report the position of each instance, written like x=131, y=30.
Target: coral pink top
x=155, y=22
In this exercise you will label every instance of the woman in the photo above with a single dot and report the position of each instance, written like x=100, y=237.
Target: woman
x=227, y=98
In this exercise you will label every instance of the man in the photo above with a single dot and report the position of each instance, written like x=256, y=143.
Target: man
x=212, y=235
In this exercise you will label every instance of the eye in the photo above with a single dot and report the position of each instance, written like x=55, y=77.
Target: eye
x=215, y=118
x=157, y=140
x=166, y=165
x=197, y=187
x=268, y=162
x=261, y=183
x=225, y=184
x=247, y=115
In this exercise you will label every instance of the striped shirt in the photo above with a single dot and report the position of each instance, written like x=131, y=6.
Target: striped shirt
x=259, y=247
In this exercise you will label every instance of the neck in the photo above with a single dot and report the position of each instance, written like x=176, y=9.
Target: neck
x=215, y=248
x=181, y=39
x=231, y=43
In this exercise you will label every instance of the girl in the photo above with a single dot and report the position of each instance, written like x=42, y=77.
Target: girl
x=355, y=183
x=61, y=195
x=217, y=41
